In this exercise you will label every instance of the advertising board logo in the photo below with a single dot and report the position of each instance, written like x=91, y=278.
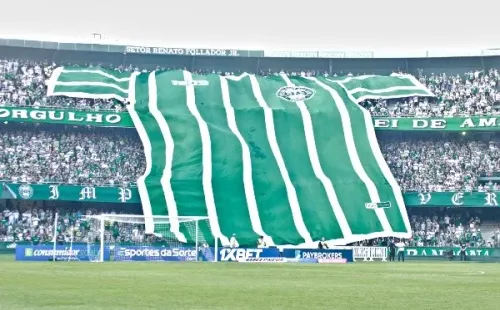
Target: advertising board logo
x=66, y=252
x=228, y=255
x=318, y=255
x=25, y=191
x=28, y=252
x=295, y=93
x=43, y=252
x=46, y=252
x=156, y=252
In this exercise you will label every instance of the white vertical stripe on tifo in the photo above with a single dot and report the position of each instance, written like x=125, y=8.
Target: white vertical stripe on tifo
x=372, y=138
x=206, y=160
x=169, y=155
x=247, y=164
x=271, y=136
x=353, y=154
x=318, y=171
x=141, y=185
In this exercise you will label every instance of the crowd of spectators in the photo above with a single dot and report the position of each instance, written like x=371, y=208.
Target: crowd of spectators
x=85, y=157
x=32, y=223
x=28, y=222
x=89, y=156
x=473, y=93
x=22, y=83
x=112, y=158
x=437, y=165
x=445, y=228
x=78, y=156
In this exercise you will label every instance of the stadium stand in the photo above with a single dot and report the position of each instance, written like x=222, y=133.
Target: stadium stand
x=28, y=222
x=74, y=156
x=22, y=224
x=447, y=227
x=421, y=162
x=472, y=93
x=446, y=163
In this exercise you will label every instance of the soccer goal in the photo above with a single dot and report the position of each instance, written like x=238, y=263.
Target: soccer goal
x=120, y=237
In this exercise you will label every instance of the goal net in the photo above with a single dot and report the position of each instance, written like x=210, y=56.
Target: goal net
x=123, y=238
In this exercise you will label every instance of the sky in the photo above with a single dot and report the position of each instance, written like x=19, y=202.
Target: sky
x=309, y=25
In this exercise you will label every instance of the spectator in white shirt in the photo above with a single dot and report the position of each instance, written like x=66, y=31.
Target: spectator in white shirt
x=233, y=243
x=401, y=250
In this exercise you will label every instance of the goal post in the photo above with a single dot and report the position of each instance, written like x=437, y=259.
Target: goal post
x=54, y=237
x=121, y=237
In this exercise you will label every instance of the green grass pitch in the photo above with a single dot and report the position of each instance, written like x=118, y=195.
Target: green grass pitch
x=409, y=285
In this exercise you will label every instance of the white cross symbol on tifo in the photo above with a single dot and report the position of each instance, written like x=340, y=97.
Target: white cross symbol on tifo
x=190, y=82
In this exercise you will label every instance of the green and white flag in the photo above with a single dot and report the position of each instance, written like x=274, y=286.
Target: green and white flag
x=293, y=159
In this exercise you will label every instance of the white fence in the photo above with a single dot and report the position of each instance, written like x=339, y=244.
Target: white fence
x=369, y=253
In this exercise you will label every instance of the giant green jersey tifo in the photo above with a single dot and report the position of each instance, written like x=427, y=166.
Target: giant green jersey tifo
x=293, y=159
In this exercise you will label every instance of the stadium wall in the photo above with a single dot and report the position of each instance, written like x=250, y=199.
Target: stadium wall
x=249, y=61
x=443, y=253
x=226, y=254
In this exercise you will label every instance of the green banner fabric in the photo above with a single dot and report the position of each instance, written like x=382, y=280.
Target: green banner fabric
x=131, y=195
x=205, y=136
x=123, y=119
x=459, y=199
x=72, y=193
x=67, y=117
x=484, y=123
x=443, y=251
x=364, y=87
